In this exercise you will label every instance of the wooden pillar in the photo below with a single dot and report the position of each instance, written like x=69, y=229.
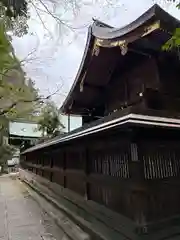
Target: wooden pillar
x=136, y=165
x=42, y=164
x=69, y=123
x=51, y=166
x=64, y=169
x=86, y=170
x=37, y=160
x=138, y=194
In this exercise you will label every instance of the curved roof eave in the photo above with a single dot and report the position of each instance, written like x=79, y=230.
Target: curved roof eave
x=108, y=32
x=81, y=68
x=103, y=31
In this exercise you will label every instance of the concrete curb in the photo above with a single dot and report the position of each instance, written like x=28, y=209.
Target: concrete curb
x=93, y=218
x=71, y=225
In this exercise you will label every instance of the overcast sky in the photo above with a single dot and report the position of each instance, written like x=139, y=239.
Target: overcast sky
x=57, y=52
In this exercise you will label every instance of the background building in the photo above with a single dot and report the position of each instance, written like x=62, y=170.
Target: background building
x=70, y=122
x=23, y=134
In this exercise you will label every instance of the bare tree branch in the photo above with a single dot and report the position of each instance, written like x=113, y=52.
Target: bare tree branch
x=14, y=104
x=42, y=22
x=59, y=20
x=18, y=63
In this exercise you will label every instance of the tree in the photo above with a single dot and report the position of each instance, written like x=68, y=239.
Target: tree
x=49, y=122
x=6, y=153
x=174, y=41
x=16, y=97
x=15, y=15
x=14, y=8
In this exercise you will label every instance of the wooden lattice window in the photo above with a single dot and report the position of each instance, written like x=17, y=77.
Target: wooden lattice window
x=161, y=161
x=113, y=163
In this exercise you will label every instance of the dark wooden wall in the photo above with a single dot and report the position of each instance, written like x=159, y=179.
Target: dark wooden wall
x=126, y=88
x=158, y=79
x=169, y=75
x=169, y=78
x=135, y=177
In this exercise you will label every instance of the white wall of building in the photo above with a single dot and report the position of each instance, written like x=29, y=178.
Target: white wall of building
x=24, y=129
x=30, y=129
x=75, y=122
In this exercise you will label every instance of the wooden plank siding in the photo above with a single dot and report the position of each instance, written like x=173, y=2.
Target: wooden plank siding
x=135, y=177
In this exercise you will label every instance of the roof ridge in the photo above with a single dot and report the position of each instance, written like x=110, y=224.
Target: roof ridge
x=100, y=23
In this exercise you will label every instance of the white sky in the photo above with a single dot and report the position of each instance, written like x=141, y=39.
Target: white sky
x=56, y=61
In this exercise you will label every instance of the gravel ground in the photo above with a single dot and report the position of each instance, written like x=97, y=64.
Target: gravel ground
x=21, y=218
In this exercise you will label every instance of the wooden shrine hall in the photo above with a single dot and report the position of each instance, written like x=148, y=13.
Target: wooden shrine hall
x=124, y=162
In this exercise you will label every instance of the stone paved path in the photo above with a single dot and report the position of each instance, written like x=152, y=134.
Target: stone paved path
x=21, y=218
